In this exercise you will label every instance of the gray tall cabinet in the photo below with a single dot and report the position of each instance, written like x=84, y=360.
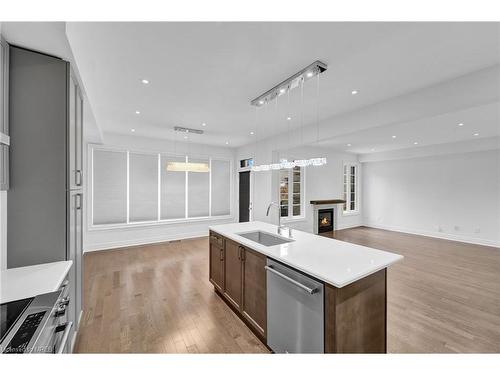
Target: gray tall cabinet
x=4, y=115
x=45, y=202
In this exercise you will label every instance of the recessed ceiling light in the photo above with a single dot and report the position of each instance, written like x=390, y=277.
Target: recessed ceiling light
x=354, y=92
x=288, y=118
x=349, y=145
x=393, y=137
x=251, y=133
x=137, y=112
x=227, y=142
x=203, y=124
x=261, y=102
x=476, y=134
x=132, y=130
x=309, y=74
x=145, y=81
x=282, y=91
x=461, y=124
x=415, y=143
x=185, y=137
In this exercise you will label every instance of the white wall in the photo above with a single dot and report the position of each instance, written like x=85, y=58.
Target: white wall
x=323, y=182
x=100, y=239
x=453, y=196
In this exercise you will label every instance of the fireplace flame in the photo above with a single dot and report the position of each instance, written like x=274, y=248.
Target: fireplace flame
x=324, y=221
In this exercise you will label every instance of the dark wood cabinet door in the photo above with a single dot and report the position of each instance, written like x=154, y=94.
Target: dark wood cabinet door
x=254, y=302
x=232, y=274
x=216, y=260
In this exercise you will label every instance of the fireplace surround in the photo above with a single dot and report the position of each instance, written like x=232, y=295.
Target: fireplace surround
x=320, y=207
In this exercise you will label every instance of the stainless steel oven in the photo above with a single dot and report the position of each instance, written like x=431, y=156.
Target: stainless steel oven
x=35, y=325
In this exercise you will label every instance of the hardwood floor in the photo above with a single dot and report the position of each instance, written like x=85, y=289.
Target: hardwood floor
x=443, y=297
x=157, y=299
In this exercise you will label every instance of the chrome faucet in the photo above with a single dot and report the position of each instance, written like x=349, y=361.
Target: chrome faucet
x=280, y=227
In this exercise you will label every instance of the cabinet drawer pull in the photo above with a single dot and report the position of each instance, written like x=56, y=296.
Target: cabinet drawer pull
x=67, y=330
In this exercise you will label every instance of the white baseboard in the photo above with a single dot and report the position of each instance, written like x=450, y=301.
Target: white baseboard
x=348, y=226
x=444, y=236
x=143, y=241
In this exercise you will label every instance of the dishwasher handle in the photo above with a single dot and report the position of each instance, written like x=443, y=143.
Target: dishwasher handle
x=289, y=279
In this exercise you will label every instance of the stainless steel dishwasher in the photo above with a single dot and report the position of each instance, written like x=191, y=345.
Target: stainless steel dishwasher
x=295, y=315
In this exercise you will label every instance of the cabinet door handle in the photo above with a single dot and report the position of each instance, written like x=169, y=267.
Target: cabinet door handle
x=241, y=253
x=78, y=177
x=78, y=198
x=221, y=254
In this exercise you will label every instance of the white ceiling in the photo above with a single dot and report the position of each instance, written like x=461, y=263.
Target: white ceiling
x=208, y=72
x=482, y=120
x=414, y=79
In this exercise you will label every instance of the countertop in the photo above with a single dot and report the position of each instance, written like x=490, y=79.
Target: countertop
x=335, y=262
x=27, y=282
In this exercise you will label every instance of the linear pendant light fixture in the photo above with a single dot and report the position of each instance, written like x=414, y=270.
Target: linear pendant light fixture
x=292, y=82
x=175, y=166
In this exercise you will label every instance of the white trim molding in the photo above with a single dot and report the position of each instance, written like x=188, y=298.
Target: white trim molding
x=144, y=241
x=441, y=235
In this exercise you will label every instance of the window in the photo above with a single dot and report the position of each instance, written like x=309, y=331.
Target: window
x=173, y=190
x=135, y=187
x=143, y=187
x=351, y=188
x=291, y=193
x=198, y=191
x=221, y=190
x=109, y=187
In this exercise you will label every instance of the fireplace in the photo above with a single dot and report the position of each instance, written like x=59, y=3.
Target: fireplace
x=325, y=220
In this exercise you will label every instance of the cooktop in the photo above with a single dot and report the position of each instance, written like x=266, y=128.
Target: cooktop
x=9, y=313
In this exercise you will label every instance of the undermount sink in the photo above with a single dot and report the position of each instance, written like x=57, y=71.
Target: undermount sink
x=264, y=238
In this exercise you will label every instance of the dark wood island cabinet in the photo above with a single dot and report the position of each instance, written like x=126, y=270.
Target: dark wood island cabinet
x=354, y=316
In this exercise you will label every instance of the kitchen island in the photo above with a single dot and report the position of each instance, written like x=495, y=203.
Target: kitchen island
x=352, y=280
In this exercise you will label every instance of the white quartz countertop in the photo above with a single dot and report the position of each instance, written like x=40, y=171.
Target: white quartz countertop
x=27, y=282
x=335, y=262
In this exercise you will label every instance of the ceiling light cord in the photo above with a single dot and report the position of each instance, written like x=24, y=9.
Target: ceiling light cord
x=317, y=109
x=302, y=112
x=276, y=121
x=256, y=136
x=288, y=124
